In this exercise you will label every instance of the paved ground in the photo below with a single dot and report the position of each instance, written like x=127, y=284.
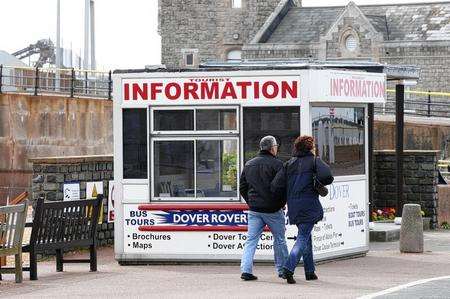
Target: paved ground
x=384, y=267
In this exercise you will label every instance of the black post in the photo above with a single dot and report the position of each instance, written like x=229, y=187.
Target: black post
x=72, y=83
x=36, y=82
x=429, y=104
x=370, y=126
x=1, y=77
x=399, y=120
x=109, y=85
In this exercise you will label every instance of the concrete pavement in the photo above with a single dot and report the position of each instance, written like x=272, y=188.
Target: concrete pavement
x=384, y=267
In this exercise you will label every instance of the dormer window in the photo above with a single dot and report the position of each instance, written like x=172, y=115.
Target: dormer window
x=236, y=3
x=351, y=43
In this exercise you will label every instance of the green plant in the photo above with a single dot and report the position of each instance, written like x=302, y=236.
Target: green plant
x=445, y=225
x=229, y=173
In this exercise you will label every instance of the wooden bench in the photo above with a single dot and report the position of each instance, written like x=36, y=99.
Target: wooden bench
x=12, y=225
x=63, y=225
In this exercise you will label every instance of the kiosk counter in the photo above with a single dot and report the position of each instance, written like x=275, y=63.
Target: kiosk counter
x=181, y=140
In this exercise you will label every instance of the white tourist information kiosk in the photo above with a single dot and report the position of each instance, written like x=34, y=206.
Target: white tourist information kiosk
x=181, y=140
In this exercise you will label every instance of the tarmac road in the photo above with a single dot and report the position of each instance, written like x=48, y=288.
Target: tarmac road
x=383, y=268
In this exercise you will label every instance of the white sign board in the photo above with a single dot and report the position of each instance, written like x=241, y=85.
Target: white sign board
x=223, y=232
x=71, y=191
x=210, y=89
x=348, y=87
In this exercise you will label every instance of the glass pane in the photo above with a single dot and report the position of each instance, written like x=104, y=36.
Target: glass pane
x=173, y=120
x=134, y=143
x=281, y=122
x=174, y=169
x=216, y=120
x=217, y=168
x=339, y=135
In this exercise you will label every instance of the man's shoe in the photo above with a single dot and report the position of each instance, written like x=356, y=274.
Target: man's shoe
x=281, y=275
x=248, y=276
x=289, y=276
x=311, y=276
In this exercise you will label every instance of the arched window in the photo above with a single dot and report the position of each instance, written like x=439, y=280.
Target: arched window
x=234, y=56
x=236, y=3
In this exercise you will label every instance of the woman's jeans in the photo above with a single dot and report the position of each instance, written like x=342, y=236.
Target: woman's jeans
x=302, y=248
x=256, y=222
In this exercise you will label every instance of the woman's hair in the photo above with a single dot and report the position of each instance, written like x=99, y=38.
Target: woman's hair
x=304, y=143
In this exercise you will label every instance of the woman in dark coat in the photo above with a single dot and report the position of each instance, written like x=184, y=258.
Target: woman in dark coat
x=295, y=183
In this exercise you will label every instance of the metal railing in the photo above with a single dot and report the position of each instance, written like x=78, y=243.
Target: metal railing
x=41, y=81
x=419, y=103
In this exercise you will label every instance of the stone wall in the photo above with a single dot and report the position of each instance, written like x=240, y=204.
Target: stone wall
x=420, y=180
x=211, y=27
x=50, y=174
x=44, y=126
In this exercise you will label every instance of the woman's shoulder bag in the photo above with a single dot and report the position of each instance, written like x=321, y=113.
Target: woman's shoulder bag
x=318, y=186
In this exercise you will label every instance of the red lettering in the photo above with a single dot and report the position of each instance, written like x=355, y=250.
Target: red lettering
x=209, y=91
x=142, y=92
x=126, y=91
x=190, y=91
x=154, y=89
x=358, y=88
x=256, y=90
x=265, y=90
x=243, y=86
x=228, y=91
x=346, y=88
x=168, y=93
x=291, y=89
x=352, y=88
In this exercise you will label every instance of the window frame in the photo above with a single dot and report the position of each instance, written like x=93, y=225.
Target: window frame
x=195, y=131
x=193, y=199
x=353, y=177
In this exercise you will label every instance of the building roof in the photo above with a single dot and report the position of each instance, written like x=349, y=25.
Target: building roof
x=393, y=72
x=10, y=60
x=412, y=22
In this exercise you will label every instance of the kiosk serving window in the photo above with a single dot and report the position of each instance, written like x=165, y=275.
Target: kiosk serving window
x=340, y=140
x=134, y=143
x=201, y=120
x=196, y=159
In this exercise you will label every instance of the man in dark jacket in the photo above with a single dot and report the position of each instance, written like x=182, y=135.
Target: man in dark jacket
x=264, y=208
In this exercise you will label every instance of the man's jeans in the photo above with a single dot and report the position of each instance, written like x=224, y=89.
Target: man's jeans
x=302, y=248
x=256, y=222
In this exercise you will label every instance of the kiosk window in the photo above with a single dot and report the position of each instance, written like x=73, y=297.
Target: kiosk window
x=194, y=120
x=174, y=168
x=201, y=168
x=216, y=120
x=281, y=122
x=340, y=140
x=174, y=120
x=135, y=143
x=216, y=168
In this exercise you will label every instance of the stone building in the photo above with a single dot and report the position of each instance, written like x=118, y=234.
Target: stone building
x=197, y=31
